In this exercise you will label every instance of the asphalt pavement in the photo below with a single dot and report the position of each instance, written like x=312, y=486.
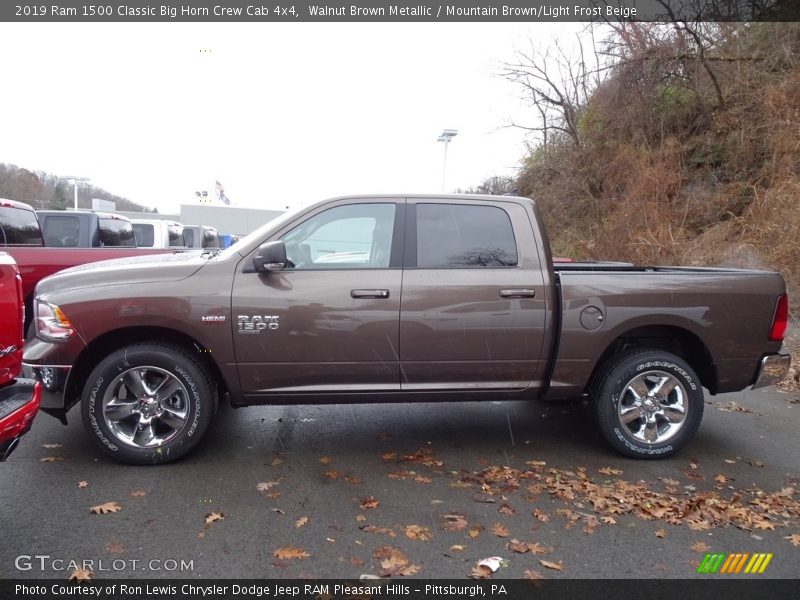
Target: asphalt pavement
x=409, y=490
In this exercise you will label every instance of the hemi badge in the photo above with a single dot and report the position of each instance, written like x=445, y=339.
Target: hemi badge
x=213, y=318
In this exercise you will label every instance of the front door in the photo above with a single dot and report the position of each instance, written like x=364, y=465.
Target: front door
x=329, y=321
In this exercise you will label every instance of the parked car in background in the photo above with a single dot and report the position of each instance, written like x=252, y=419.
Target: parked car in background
x=22, y=238
x=19, y=225
x=19, y=398
x=85, y=229
x=157, y=233
x=226, y=240
x=200, y=236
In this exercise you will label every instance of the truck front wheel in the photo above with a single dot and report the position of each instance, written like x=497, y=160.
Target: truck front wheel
x=147, y=404
x=649, y=403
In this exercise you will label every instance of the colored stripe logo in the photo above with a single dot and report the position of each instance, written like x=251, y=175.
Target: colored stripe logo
x=733, y=564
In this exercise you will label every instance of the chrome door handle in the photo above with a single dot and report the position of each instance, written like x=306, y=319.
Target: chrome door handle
x=369, y=293
x=517, y=293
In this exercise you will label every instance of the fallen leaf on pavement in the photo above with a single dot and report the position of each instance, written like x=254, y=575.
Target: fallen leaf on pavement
x=214, y=516
x=794, y=539
x=499, y=530
x=325, y=460
x=108, y=507
x=51, y=446
x=700, y=547
x=138, y=494
x=557, y=566
x=517, y=546
x=49, y=459
x=81, y=575
x=266, y=485
x=536, y=548
x=115, y=547
x=543, y=517
x=506, y=509
x=475, y=531
x=610, y=471
x=415, y=532
x=480, y=572
x=457, y=548
x=368, y=503
x=455, y=523
x=661, y=533
x=301, y=522
x=289, y=553
x=83, y=484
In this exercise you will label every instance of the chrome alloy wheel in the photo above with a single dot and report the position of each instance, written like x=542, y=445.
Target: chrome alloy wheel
x=146, y=407
x=652, y=407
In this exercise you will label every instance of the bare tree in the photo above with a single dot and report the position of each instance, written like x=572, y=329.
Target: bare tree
x=557, y=84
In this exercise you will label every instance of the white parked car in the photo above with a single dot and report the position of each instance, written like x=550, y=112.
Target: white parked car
x=157, y=233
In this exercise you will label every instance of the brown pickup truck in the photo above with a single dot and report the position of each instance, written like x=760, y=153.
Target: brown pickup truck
x=397, y=299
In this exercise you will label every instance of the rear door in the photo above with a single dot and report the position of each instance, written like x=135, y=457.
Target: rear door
x=329, y=322
x=473, y=310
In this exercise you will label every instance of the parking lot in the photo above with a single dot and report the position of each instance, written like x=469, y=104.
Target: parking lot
x=423, y=490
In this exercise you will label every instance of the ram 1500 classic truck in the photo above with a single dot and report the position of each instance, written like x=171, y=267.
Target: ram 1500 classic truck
x=397, y=299
x=19, y=398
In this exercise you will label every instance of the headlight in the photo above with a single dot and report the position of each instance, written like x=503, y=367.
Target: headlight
x=51, y=322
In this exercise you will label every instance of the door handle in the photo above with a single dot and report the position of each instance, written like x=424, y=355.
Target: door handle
x=517, y=293
x=369, y=293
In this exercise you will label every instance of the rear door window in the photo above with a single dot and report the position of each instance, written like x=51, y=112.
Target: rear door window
x=464, y=236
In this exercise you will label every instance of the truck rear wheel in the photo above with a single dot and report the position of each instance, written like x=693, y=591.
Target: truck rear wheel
x=649, y=404
x=147, y=404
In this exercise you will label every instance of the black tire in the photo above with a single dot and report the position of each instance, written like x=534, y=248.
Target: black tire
x=633, y=413
x=161, y=423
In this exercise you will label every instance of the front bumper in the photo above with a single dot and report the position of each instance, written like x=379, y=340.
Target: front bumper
x=19, y=403
x=772, y=369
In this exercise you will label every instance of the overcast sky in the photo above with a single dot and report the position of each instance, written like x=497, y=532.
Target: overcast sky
x=280, y=114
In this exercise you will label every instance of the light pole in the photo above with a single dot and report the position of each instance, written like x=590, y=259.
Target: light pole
x=75, y=180
x=446, y=136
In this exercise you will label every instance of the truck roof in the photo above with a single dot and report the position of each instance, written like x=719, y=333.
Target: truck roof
x=15, y=204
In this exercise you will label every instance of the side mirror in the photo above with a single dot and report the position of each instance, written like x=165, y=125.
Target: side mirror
x=270, y=257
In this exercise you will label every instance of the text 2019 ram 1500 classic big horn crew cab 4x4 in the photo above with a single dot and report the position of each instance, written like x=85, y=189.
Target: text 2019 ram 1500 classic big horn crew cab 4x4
x=395, y=299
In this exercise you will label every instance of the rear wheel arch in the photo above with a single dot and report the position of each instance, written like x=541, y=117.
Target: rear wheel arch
x=674, y=340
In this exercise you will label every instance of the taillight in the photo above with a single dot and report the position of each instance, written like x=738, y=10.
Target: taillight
x=51, y=322
x=21, y=302
x=780, y=319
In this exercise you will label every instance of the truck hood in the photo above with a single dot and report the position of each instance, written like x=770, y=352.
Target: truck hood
x=124, y=271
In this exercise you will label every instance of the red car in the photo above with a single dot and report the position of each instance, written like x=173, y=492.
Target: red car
x=19, y=398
